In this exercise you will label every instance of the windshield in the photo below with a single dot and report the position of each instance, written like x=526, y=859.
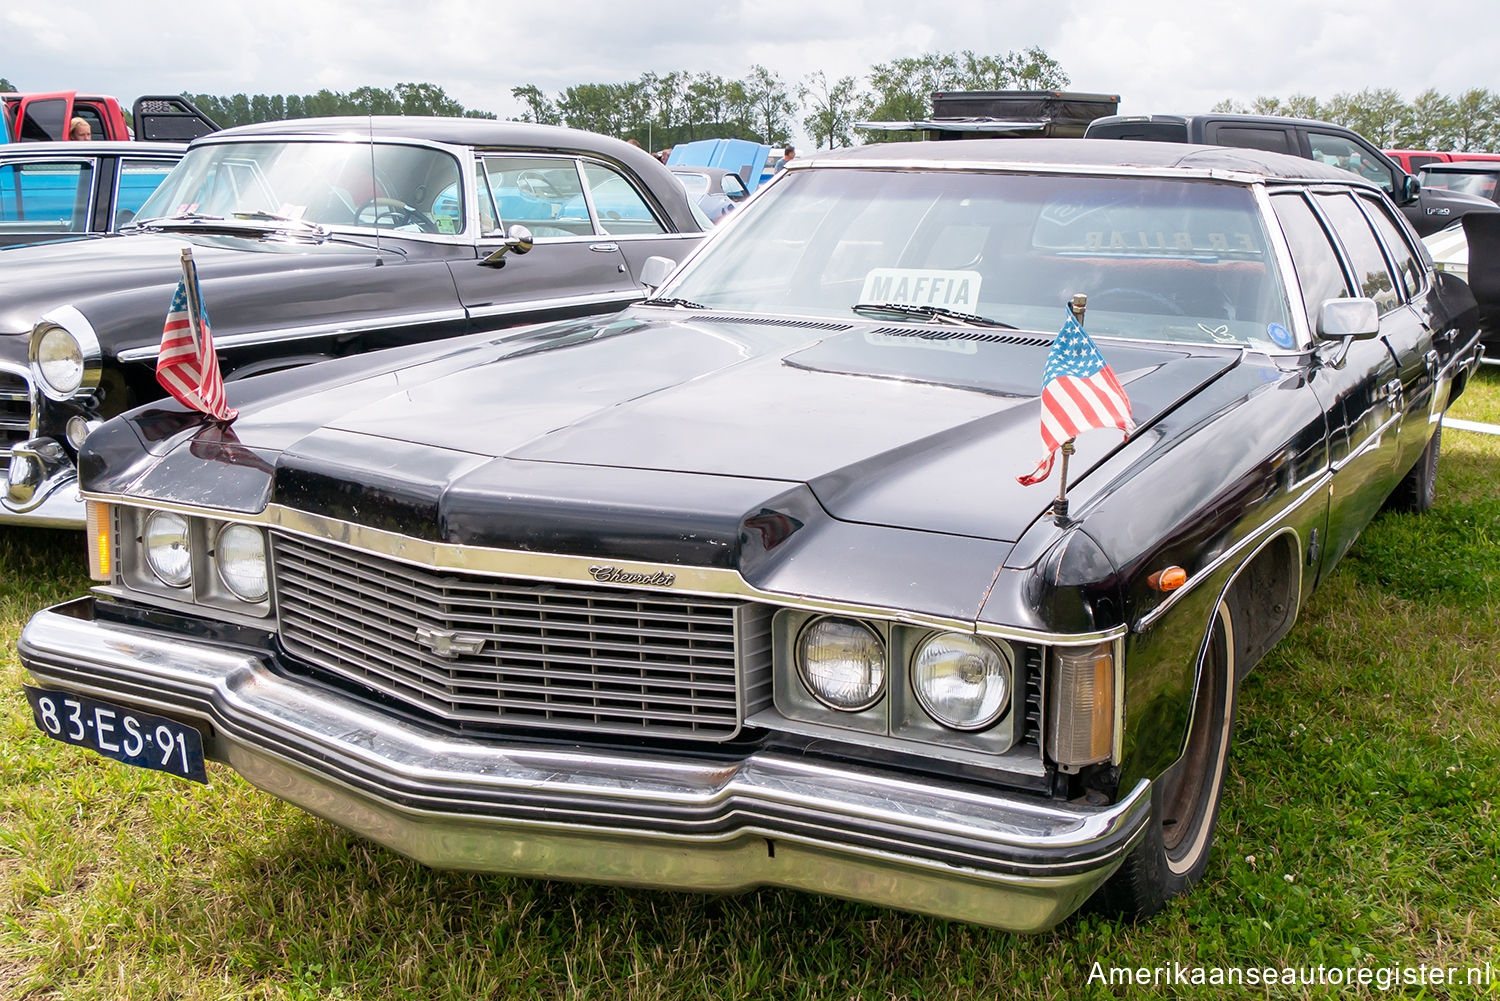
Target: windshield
x=1160, y=259
x=334, y=184
x=696, y=184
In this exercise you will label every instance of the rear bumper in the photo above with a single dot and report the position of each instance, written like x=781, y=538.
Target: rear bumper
x=653, y=819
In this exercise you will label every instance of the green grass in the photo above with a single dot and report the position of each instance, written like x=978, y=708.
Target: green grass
x=1362, y=826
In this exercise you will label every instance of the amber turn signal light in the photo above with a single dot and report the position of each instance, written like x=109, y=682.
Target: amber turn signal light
x=1169, y=579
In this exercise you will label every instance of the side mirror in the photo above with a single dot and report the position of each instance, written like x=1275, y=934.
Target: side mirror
x=518, y=238
x=1411, y=186
x=655, y=271
x=1348, y=319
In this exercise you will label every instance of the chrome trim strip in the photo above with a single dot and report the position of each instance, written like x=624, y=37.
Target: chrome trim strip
x=1372, y=440
x=1272, y=525
x=706, y=581
x=623, y=297
x=647, y=818
x=312, y=330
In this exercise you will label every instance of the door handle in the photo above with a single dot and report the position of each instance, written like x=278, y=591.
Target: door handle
x=605, y=248
x=1430, y=359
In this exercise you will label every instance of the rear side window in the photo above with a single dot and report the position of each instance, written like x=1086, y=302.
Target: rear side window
x=45, y=120
x=1401, y=253
x=50, y=197
x=1370, y=269
x=1317, y=263
x=621, y=209
x=1244, y=137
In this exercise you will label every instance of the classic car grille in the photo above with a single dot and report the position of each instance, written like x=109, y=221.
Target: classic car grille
x=15, y=410
x=1031, y=731
x=535, y=655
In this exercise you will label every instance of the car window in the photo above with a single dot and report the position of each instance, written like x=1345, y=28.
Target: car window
x=488, y=217
x=622, y=211
x=1245, y=137
x=1341, y=152
x=1400, y=250
x=406, y=188
x=137, y=180
x=1481, y=183
x=1159, y=259
x=46, y=120
x=89, y=114
x=1370, y=270
x=1318, y=269
x=735, y=188
x=46, y=197
x=1418, y=160
x=541, y=193
x=694, y=184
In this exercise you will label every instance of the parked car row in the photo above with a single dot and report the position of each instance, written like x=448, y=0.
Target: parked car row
x=742, y=584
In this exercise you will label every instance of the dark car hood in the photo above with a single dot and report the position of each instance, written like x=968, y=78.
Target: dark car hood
x=708, y=415
x=147, y=265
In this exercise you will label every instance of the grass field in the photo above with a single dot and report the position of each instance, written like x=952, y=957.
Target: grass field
x=1362, y=828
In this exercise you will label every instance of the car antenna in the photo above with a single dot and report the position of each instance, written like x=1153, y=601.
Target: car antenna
x=374, y=190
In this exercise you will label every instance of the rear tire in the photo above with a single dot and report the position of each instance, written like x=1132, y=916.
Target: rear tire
x=1173, y=853
x=1417, y=491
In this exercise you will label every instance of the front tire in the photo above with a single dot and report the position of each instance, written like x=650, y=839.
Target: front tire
x=1173, y=853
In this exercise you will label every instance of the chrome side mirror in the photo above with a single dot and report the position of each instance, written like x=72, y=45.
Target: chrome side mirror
x=1355, y=319
x=655, y=271
x=518, y=238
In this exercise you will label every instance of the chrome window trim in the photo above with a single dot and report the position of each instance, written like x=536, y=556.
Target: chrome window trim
x=568, y=569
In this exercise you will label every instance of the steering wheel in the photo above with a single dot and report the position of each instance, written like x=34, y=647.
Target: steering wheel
x=535, y=184
x=1139, y=295
x=393, y=213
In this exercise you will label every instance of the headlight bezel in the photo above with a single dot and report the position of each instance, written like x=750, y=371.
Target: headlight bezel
x=70, y=322
x=207, y=590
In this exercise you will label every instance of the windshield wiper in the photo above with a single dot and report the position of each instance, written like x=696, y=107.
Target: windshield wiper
x=303, y=224
x=937, y=314
x=684, y=303
x=188, y=218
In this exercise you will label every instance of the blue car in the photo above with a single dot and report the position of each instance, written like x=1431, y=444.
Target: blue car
x=67, y=190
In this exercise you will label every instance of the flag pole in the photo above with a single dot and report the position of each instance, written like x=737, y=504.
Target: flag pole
x=1076, y=306
x=194, y=307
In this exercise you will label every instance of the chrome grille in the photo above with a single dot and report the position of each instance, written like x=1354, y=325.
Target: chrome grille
x=15, y=409
x=577, y=657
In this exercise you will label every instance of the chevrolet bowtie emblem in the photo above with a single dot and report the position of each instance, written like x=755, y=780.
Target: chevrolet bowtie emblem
x=449, y=644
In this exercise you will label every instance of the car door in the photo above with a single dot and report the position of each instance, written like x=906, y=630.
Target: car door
x=44, y=117
x=1362, y=420
x=572, y=268
x=628, y=216
x=44, y=199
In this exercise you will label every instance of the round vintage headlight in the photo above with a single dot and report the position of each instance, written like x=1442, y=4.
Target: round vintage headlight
x=842, y=662
x=241, y=555
x=169, y=550
x=961, y=681
x=59, y=362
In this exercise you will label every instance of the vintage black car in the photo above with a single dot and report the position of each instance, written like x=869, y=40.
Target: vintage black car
x=68, y=190
x=739, y=586
x=316, y=239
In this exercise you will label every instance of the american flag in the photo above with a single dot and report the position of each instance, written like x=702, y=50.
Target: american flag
x=1079, y=392
x=186, y=366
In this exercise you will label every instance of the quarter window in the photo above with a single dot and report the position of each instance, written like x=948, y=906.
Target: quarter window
x=1401, y=253
x=621, y=209
x=1370, y=269
x=1317, y=263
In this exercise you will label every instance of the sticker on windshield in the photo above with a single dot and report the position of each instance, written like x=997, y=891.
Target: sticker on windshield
x=920, y=287
x=1280, y=336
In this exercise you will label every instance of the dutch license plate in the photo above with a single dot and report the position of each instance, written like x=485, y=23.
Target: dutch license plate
x=128, y=735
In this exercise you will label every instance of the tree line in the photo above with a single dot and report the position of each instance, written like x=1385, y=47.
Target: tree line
x=662, y=109
x=1468, y=122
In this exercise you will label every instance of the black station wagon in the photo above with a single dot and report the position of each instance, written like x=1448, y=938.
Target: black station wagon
x=317, y=239
x=740, y=587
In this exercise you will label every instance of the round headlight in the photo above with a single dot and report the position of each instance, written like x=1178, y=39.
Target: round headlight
x=168, y=549
x=59, y=362
x=842, y=663
x=241, y=555
x=961, y=681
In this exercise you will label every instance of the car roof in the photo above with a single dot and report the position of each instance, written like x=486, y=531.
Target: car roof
x=78, y=147
x=1103, y=153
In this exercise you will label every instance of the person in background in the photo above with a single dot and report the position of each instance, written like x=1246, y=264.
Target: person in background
x=787, y=155
x=634, y=142
x=79, y=129
x=662, y=156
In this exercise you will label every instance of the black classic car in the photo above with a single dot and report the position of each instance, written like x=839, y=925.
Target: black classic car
x=740, y=586
x=67, y=190
x=315, y=239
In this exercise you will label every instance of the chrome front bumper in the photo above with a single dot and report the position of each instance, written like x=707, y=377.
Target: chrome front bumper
x=649, y=819
x=41, y=487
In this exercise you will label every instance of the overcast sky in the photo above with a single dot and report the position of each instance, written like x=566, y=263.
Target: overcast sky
x=1162, y=55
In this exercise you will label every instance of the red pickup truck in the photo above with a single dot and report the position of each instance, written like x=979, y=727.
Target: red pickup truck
x=45, y=117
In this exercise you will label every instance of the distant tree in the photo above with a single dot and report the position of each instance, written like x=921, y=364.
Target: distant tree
x=902, y=89
x=7, y=86
x=1028, y=69
x=831, y=108
x=1474, y=125
x=1431, y=123
x=426, y=99
x=538, y=108
x=772, y=103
